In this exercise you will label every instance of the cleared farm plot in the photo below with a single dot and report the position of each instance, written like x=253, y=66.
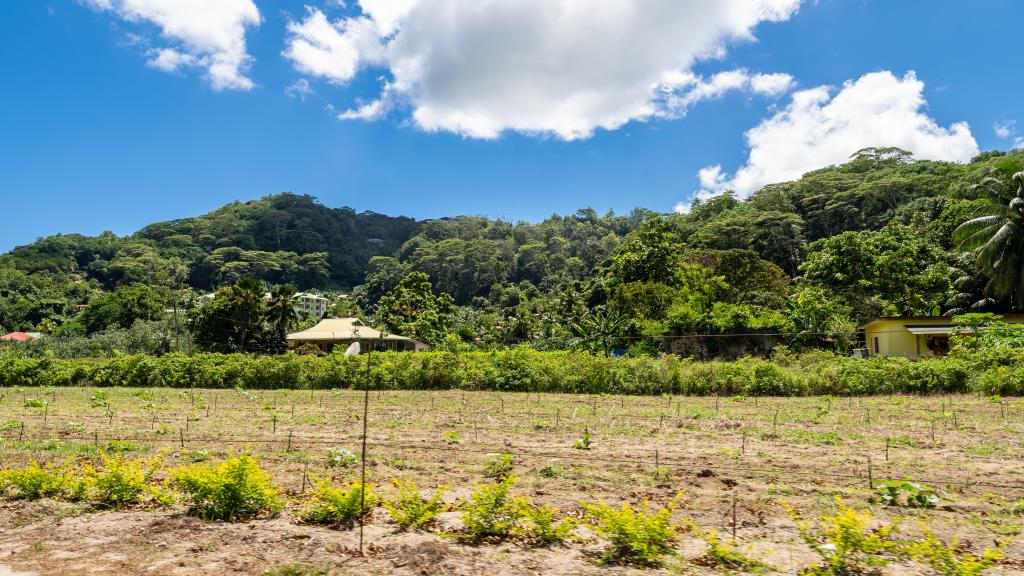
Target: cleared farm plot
x=739, y=460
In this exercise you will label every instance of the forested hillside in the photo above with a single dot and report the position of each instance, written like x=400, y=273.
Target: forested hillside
x=809, y=258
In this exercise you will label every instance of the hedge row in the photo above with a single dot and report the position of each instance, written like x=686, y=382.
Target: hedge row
x=999, y=371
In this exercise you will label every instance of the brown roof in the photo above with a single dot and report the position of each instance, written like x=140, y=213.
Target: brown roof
x=334, y=329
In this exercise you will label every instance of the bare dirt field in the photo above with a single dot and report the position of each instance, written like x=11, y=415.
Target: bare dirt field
x=739, y=461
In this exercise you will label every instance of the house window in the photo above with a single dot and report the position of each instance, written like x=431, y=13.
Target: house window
x=876, y=344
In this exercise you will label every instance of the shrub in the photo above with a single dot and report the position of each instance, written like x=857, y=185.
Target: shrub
x=341, y=506
x=638, y=536
x=411, y=510
x=541, y=527
x=952, y=559
x=125, y=482
x=34, y=481
x=846, y=543
x=235, y=490
x=491, y=511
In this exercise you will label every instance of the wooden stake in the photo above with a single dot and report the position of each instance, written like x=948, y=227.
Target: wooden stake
x=733, y=514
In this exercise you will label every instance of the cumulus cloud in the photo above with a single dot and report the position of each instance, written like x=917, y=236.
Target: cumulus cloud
x=680, y=92
x=819, y=129
x=300, y=89
x=202, y=34
x=1004, y=129
x=563, y=67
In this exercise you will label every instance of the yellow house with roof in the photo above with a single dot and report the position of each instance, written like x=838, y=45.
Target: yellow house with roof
x=914, y=337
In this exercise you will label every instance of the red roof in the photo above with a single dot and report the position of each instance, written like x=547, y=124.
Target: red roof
x=16, y=336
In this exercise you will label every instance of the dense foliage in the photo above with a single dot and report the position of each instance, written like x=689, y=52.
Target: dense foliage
x=805, y=261
x=989, y=371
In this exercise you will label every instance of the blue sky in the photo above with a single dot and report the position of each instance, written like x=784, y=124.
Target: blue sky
x=96, y=137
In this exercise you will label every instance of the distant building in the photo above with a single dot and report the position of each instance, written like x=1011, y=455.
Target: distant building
x=312, y=305
x=334, y=332
x=20, y=336
x=914, y=337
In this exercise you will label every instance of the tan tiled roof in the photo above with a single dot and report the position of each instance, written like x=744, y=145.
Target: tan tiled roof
x=342, y=329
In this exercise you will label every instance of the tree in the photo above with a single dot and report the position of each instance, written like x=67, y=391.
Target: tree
x=122, y=307
x=651, y=254
x=246, y=305
x=601, y=329
x=997, y=240
x=281, y=309
x=897, y=268
x=236, y=320
x=412, y=309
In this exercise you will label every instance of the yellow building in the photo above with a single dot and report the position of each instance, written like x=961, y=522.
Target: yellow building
x=913, y=337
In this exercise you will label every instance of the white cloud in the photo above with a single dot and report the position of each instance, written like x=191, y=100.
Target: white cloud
x=562, y=67
x=203, y=33
x=333, y=50
x=818, y=129
x=300, y=89
x=369, y=111
x=681, y=91
x=1004, y=129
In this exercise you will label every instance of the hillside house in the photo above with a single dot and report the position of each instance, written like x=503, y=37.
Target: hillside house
x=913, y=337
x=334, y=332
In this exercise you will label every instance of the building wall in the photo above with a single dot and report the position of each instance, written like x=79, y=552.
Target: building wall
x=895, y=340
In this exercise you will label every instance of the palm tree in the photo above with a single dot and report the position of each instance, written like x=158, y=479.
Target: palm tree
x=246, y=307
x=281, y=308
x=997, y=240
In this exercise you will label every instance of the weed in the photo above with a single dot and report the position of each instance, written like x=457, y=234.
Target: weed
x=953, y=559
x=237, y=489
x=411, y=510
x=299, y=570
x=724, y=554
x=491, y=511
x=583, y=443
x=846, y=543
x=499, y=466
x=637, y=535
x=35, y=481
x=99, y=399
x=451, y=438
x=198, y=455
x=913, y=495
x=124, y=482
x=340, y=457
x=541, y=527
x=341, y=506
